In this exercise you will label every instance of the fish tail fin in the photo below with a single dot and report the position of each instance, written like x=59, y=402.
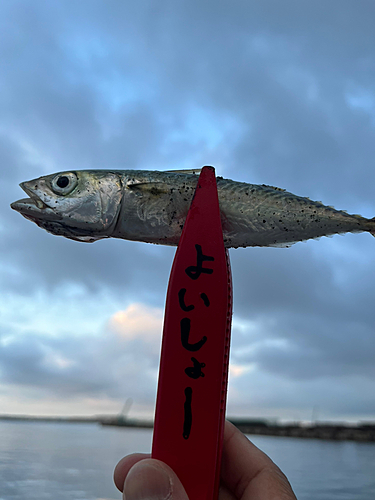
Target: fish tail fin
x=372, y=230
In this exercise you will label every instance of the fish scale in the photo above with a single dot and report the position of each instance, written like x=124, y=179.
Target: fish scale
x=151, y=206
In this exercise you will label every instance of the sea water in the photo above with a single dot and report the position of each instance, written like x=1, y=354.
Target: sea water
x=66, y=461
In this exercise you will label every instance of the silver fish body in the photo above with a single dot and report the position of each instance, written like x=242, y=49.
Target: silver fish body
x=151, y=206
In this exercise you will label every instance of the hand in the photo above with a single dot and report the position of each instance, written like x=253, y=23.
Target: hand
x=246, y=474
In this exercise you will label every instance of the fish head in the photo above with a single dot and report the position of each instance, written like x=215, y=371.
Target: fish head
x=81, y=205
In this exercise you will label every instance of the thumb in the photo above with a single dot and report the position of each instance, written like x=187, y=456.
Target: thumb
x=152, y=479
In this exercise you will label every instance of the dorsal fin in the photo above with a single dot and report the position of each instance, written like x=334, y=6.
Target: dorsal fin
x=273, y=187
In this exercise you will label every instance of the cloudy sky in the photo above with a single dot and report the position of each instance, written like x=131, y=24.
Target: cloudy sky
x=280, y=93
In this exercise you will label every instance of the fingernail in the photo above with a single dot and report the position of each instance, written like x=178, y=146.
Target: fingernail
x=147, y=481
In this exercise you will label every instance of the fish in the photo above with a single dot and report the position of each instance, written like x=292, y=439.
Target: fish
x=151, y=206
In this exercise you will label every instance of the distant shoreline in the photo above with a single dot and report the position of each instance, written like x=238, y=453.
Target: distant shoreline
x=362, y=432
x=41, y=418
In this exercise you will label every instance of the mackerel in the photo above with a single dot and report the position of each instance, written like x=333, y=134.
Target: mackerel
x=151, y=206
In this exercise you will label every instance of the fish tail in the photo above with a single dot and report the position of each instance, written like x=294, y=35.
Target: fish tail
x=372, y=230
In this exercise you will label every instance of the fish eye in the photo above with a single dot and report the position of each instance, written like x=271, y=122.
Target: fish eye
x=64, y=183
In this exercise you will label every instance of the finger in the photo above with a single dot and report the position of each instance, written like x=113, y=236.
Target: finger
x=248, y=472
x=123, y=467
x=225, y=494
x=152, y=479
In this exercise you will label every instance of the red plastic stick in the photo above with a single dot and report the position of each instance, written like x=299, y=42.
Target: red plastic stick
x=190, y=408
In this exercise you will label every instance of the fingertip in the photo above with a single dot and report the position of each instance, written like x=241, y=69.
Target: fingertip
x=123, y=467
x=148, y=480
x=152, y=479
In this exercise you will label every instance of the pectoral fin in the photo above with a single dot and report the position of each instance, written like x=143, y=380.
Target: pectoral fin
x=154, y=188
x=192, y=171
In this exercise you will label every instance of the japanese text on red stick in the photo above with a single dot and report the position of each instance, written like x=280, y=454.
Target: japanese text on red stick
x=195, y=371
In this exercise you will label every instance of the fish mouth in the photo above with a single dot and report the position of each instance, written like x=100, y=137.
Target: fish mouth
x=29, y=204
x=33, y=207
